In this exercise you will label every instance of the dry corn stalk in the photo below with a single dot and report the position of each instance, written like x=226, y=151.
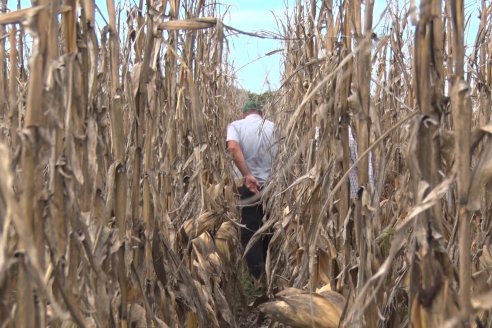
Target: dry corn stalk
x=112, y=150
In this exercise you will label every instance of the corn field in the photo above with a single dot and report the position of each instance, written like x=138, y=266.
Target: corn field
x=118, y=202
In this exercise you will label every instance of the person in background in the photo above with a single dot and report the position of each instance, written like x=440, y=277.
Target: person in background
x=353, y=175
x=250, y=142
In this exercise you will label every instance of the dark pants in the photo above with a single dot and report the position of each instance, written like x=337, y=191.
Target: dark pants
x=251, y=217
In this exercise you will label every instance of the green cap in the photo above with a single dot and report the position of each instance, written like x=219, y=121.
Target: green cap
x=251, y=105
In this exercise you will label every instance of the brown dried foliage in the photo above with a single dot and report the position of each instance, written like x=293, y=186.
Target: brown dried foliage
x=117, y=198
x=111, y=184
x=410, y=250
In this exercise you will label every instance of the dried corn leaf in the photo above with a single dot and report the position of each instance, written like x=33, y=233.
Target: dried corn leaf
x=188, y=24
x=193, y=228
x=20, y=15
x=301, y=309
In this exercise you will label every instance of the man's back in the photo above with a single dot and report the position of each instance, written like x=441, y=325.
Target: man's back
x=256, y=139
x=251, y=143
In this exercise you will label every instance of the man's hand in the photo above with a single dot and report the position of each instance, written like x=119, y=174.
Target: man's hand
x=237, y=155
x=252, y=184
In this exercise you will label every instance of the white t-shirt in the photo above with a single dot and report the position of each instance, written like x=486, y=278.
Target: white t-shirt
x=256, y=139
x=353, y=175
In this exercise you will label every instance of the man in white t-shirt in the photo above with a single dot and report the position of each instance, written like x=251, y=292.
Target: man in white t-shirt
x=353, y=175
x=251, y=143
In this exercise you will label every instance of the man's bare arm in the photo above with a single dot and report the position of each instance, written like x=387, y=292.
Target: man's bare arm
x=238, y=157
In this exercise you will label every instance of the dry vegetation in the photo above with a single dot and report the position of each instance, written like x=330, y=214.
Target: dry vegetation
x=117, y=202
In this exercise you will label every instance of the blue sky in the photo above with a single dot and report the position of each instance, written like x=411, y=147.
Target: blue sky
x=255, y=71
x=260, y=73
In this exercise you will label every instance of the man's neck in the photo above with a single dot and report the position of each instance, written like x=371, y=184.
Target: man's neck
x=251, y=114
